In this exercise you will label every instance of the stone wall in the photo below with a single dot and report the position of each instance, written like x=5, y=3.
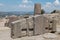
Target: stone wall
x=35, y=25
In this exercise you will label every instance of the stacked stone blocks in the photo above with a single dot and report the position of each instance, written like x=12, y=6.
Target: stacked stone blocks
x=35, y=25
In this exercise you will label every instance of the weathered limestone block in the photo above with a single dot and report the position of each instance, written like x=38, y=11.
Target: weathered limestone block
x=23, y=24
x=54, y=26
x=30, y=22
x=38, y=25
x=30, y=33
x=45, y=24
x=30, y=26
x=17, y=28
x=50, y=26
x=23, y=33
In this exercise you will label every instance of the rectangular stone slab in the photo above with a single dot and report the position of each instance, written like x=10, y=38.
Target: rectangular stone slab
x=38, y=25
x=54, y=26
x=30, y=22
x=30, y=26
x=46, y=24
x=16, y=29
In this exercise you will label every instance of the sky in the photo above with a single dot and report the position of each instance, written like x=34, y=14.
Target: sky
x=28, y=5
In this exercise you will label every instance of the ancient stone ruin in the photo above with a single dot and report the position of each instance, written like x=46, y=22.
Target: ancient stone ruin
x=32, y=25
x=37, y=9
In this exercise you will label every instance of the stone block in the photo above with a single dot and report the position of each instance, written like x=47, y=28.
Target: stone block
x=23, y=33
x=30, y=22
x=17, y=26
x=16, y=30
x=54, y=26
x=30, y=33
x=45, y=24
x=23, y=24
x=39, y=25
x=30, y=26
